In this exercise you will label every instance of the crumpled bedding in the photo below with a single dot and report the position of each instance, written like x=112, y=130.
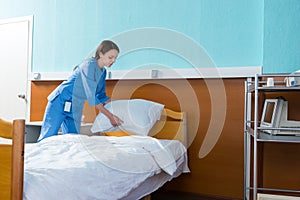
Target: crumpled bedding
x=96, y=167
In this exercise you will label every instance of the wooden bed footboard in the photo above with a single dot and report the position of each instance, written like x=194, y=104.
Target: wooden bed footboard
x=11, y=164
x=5, y=170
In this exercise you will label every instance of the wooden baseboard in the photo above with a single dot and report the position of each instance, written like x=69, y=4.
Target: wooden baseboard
x=171, y=195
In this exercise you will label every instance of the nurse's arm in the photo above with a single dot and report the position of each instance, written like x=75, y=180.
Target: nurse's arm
x=114, y=120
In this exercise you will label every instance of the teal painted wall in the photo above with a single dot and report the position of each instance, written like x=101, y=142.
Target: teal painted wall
x=233, y=32
x=281, y=36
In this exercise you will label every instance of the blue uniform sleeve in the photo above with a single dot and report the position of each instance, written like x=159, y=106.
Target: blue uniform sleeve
x=89, y=84
x=101, y=96
x=94, y=86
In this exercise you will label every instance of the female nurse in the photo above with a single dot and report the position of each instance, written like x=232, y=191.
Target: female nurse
x=87, y=82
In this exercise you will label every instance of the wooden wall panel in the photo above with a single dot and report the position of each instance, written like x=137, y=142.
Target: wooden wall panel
x=38, y=100
x=281, y=161
x=220, y=172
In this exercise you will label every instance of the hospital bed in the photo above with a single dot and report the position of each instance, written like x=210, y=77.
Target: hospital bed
x=79, y=166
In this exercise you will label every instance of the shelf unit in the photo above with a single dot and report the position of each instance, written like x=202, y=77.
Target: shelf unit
x=253, y=134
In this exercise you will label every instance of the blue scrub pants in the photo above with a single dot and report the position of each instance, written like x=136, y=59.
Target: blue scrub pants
x=55, y=118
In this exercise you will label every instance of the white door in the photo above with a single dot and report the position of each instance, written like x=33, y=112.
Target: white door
x=15, y=60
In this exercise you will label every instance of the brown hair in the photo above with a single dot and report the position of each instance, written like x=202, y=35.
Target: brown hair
x=104, y=47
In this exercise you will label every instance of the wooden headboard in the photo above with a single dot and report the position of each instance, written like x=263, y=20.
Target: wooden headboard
x=172, y=125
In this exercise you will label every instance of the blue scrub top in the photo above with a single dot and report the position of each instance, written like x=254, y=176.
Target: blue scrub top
x=86, y=83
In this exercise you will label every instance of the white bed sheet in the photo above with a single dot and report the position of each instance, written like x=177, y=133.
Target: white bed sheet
x=5, y=141
x=154, y=182
x=98, y=167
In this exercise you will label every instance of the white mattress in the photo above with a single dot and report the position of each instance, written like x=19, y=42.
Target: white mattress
x=99, y=167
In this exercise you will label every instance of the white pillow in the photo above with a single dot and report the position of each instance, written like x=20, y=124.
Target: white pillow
x=139, y=116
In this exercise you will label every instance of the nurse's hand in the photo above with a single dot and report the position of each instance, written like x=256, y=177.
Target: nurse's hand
x=116, y=121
